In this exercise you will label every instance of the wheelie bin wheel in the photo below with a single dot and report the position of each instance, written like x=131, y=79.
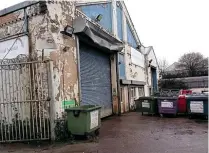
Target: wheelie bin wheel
x=190, y=116
x=97, y=132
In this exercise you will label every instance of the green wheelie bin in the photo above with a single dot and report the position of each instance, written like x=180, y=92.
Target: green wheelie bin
x=84, y=120
x=197, y=105
x=147, y=104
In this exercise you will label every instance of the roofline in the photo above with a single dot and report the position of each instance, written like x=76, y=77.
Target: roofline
x=155, y=58
x=79, y=3
x=151, y=48
x=125, y=9
x=171, y=65
x=17, y=7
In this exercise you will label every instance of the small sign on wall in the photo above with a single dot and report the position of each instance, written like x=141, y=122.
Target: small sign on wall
x=14, y=47
x=68, y=103
x=137, y=57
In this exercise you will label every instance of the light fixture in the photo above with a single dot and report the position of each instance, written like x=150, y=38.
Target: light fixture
x=68, y=30
x=138, y=47
x=150, y=61
x=99, y=18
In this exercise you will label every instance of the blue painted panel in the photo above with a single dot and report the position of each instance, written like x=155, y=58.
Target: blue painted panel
x=130, y=38
x=92, y=11
x=120, y=22
x=122, y=73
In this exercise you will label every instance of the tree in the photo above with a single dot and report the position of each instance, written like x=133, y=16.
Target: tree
x=192, y=62
x=163, y=64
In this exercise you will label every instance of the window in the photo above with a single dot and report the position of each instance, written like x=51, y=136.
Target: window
x=122, y=72
x=133, y=92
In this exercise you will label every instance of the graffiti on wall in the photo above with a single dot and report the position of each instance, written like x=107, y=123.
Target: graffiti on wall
x=14, y=51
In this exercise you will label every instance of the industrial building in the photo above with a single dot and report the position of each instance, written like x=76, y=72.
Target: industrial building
x=57, y=54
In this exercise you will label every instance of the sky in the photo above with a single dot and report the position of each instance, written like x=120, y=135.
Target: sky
x=172, y=27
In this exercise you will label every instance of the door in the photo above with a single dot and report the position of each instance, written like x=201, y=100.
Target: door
x=132, y=94
x=122, y=99
x=95, y=73
x=154, y=79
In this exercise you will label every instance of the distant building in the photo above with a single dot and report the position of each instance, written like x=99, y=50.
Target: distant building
x=197, y=83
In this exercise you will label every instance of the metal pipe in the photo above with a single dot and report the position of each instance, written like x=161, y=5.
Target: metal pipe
x=118, y=83
x=78, y=68
x=26, y=21
x=52, y=102
x=14, y=36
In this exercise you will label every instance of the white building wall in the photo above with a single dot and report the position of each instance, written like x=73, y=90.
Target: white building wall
x=151, y=56
x=133, y=72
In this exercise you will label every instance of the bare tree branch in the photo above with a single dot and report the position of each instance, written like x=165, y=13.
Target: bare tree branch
x=192, y=62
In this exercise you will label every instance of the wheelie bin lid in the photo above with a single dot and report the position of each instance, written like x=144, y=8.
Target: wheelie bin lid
x=84, y=108
x=197, y=97
x=167, y=98
x=146, y=98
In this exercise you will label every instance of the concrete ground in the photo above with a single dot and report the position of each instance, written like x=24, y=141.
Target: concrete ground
x=133, y=133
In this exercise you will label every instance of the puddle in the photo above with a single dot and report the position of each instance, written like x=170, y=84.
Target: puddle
x=201, y=121
x=189, y=132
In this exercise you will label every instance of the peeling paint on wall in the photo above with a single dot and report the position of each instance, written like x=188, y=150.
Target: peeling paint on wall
x=47, y=27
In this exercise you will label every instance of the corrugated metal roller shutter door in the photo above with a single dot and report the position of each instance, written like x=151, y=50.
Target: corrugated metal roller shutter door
x=95, y=74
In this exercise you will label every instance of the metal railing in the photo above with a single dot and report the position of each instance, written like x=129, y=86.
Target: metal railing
x=24, y=101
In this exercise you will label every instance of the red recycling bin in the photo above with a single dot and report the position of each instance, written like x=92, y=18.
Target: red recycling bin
x=182, y=105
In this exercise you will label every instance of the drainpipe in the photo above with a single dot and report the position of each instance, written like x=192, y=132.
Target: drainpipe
x=78, y=68
x=114, y=29
x=118, y=83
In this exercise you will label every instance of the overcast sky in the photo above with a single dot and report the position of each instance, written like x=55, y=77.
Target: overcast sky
x=172, y=27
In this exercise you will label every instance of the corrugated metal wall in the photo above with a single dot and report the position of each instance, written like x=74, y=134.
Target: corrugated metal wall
x=119, y=22
x=92, y=11
x=95, y=74
x=130, y=38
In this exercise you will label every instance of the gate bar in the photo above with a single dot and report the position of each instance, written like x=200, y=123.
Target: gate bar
x=52, y=100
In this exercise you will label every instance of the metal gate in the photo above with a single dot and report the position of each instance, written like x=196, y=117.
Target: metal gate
x=95, y=71
x=24, y=101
